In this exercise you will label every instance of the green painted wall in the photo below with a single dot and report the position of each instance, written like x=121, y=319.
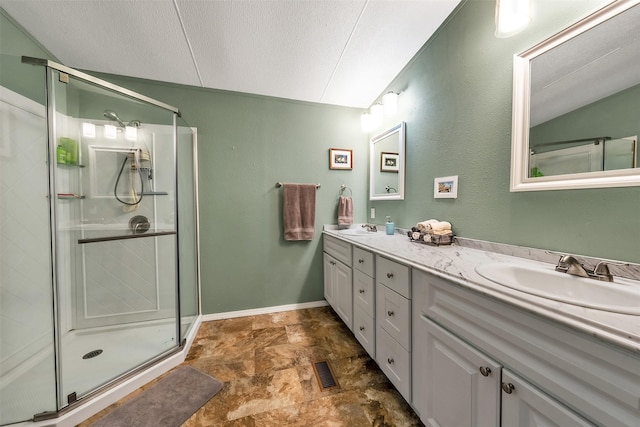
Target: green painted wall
x=26, y=80
x=456, y=100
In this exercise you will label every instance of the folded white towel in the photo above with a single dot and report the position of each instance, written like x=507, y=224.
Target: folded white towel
x=441, y=233
x=438, y=226
x=422, y=226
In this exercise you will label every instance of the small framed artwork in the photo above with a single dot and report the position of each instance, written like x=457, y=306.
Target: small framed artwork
x=389, y=162
x=340, y=158
x=445, y=187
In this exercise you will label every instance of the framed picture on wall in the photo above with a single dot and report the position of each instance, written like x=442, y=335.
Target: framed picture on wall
x=340, y=158
x=445, y=187
x=389, y=162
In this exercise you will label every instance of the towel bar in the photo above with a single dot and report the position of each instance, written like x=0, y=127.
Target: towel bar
x=279, y=184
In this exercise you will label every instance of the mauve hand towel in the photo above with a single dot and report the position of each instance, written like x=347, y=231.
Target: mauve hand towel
x=299, y=211
x=345, y=211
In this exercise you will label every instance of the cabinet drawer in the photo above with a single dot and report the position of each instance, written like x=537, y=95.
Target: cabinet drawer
x=393, y=314
x=338, y=249
x=364, y=295
x=363, y=261
x=394, y=362
x=364, y=329
x=393, y=275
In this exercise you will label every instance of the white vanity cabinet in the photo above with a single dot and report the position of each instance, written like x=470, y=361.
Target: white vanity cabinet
x=338, y=288
x=552, y=375
x=364, y=299
x=523, y=405
x=457, y=385
x=393, y=323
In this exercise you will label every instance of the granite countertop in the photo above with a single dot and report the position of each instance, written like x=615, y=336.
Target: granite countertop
x=457, y=264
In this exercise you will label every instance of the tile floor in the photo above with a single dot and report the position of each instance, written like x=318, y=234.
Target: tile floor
x=266, y=363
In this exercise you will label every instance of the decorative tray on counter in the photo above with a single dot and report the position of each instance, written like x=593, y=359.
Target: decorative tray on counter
x=431, y=239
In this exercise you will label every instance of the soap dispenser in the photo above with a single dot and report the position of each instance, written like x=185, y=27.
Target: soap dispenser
x=390, y=226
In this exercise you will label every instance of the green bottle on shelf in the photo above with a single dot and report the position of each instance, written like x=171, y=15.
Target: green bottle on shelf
x=70, y=147
x=61, y=155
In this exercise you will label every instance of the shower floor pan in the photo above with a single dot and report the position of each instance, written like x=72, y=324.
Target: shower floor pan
x=27, y=389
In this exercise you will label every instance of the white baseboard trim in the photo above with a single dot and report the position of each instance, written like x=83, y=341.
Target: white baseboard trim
x=263, y=310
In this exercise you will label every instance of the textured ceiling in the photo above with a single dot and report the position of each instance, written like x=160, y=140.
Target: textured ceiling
x=579, y=71
x=342, y=52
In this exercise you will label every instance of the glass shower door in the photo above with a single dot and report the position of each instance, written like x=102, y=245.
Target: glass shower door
x=116, y=266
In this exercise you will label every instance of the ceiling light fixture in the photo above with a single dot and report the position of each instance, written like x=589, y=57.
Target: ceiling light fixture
x=512, y=16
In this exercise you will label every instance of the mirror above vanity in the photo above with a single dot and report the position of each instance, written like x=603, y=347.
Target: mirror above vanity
x=576, y=105
x=386, y=166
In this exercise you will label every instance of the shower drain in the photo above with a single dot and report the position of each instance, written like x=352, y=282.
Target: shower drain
x=92, y=354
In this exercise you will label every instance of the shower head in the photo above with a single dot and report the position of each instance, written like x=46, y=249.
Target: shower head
x=113, y=116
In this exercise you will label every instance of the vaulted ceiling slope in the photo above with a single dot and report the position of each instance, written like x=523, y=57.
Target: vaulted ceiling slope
x=342, y=52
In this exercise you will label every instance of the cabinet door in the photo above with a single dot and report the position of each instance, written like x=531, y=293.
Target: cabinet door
x=343, y=293
x=328, y=263
x=524, y=405
x=457, y=385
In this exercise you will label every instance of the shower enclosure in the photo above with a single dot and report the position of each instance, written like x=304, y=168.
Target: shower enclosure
x=99, y=240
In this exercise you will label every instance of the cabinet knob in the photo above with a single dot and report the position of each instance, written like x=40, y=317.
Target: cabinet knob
x=332, y=262
x=389, y=361
x=390, y=313
x=389, y=275
x=361, y=291
x=485, y=371
x=361, y=261
x=362, y=328
x=508, y=388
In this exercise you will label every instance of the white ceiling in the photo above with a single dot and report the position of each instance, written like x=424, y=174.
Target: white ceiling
x=342, y=52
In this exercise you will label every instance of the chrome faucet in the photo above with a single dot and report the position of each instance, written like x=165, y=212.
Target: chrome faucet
x=370, y=227
x=568, y=264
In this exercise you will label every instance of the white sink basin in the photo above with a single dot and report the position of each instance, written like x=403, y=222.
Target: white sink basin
x=621, y=296
x=357, y=232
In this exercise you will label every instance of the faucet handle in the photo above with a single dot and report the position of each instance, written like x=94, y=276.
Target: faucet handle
x=601, y=270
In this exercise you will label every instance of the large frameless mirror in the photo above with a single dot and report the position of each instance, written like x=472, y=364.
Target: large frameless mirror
x=575, y=105
x=386, y=166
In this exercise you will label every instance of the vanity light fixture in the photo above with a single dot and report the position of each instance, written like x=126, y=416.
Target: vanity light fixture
x=366, y=121
x=390, y=103
x=377, y=112
x=88, y=130
x=131, y=133
x=110, y=132
x=512, y=16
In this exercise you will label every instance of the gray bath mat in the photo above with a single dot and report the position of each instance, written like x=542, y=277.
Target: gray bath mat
x=169, y=402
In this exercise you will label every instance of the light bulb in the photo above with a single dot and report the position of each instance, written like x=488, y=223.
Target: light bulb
x=512, y=16
x=89, y=130
x=110, y=131
x=390, y=103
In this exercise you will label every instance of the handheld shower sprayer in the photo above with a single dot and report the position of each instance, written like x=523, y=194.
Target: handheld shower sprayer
x=111, y=115
x=114, y=117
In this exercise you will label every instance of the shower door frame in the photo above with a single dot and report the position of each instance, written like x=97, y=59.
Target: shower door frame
x=63, y=406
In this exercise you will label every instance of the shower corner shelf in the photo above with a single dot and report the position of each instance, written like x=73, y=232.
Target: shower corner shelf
x=67, y=196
